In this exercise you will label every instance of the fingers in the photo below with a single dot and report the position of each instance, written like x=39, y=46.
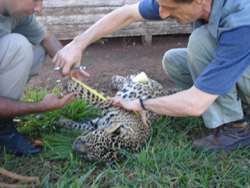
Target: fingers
x=61, y=59
x=63, y=90
x=85, y=74
x=66, y=69
x=75, y=73
x=58, y=60
x=66, y=60
x=79, y=73
x=117, y=101
x=55, y=60
x=69, y=98
x=70, y=95
x=143, y=118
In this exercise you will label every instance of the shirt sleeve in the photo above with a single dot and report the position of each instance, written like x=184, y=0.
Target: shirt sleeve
x=149, y=9
x=231, y=60
x=31, y=28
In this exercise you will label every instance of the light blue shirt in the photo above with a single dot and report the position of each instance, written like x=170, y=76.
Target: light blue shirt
x=226, y=15
x=229, y=24
x=29, y=26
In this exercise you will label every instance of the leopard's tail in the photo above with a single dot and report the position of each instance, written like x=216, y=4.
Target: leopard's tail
x=72, y=125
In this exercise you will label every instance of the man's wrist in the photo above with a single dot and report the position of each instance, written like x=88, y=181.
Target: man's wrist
x=80, y=43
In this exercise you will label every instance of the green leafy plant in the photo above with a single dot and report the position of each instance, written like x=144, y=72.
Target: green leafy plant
x=37, y=124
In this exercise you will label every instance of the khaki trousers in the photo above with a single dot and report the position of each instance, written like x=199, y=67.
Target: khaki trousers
x=19, y=62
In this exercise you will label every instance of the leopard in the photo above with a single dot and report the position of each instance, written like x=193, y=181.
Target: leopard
x=117, y=131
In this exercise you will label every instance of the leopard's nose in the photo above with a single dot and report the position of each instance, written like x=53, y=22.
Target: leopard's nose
x=79, y=147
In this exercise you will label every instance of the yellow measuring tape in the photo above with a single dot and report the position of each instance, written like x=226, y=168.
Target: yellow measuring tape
x=90, y=89
x=95, y=92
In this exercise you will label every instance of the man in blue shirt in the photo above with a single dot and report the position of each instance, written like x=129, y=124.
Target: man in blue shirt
x=213, y=70
x=23, y=48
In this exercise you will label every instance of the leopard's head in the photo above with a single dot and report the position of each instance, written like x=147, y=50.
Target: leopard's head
x=102, y=144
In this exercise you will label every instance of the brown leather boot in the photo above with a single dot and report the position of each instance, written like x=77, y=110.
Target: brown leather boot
x=227, y=137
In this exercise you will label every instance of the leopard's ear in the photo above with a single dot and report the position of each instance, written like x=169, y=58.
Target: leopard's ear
x=113, y=129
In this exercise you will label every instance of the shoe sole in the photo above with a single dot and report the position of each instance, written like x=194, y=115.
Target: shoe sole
x=242, y=145
x=20, y=154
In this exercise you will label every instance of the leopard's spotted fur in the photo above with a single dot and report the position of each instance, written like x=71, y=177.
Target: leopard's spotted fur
x=118, y=129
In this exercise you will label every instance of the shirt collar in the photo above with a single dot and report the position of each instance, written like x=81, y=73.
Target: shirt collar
x=215, y=16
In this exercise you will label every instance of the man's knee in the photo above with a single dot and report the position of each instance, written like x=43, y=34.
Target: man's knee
x=201, y=45
x=17, y=48
x=198, y=39
x=174, y=61
x=168, y=60
x=16, y=56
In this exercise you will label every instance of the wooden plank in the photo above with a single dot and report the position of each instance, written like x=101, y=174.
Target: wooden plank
x=83, y=3
x=69, y=31
x=66, y=11
x=66, y=19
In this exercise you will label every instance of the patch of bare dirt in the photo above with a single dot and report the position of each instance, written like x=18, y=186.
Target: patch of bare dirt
x=122, y=56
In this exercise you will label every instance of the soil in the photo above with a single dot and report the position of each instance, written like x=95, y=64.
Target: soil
x=117, y=56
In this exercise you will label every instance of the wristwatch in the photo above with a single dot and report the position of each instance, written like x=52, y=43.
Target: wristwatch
x=142, y=105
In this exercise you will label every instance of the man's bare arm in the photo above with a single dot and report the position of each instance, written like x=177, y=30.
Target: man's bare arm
x=11, y=108
x=51, y=45
x=191, y=102
x=109, y=24
x=71, y=54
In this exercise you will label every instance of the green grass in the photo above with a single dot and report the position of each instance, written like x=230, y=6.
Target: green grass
x=167, y=160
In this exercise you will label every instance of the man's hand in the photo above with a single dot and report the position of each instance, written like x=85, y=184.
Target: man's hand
x=55, y=101
x=131, y=106
x=70, y=56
